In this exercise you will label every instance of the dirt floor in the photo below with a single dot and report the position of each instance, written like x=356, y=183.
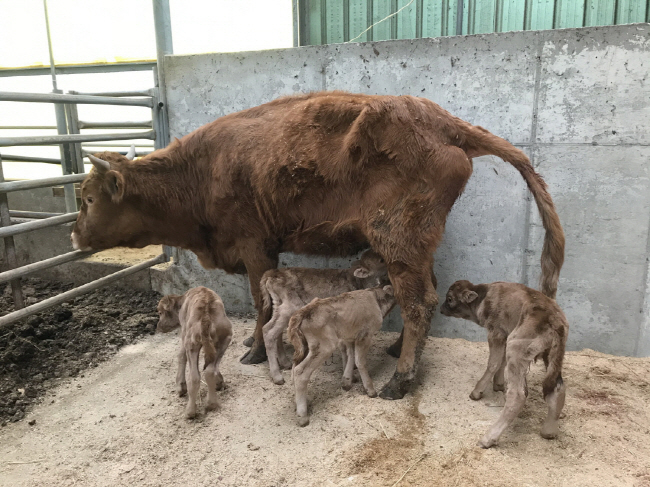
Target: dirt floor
x=121, y=423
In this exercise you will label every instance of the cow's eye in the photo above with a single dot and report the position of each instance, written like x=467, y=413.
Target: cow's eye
x=89, y=200
x=449, y=299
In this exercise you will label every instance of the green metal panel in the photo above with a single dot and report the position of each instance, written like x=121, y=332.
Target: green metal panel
x=332, y=21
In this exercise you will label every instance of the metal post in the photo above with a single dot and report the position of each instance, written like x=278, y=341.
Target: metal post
x=459, y=18
x=73, y=128
x=164, y=45
x=61, y=126
x=10, y=248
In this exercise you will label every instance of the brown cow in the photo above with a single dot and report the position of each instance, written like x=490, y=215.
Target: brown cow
x=326, y=173
x=349, y=320
x=288, y=290
x=523, y=325
x=204, y=325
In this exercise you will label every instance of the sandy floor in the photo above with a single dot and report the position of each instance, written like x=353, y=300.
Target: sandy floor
x=122, y=424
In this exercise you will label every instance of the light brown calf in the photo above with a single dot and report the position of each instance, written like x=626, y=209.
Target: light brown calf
x=349, y=320
x=288, y=290
x=523, y=325
x=204, y=324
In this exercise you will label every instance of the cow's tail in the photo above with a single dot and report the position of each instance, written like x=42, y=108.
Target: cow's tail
x=297, y=338
x=553, y=379
x=479, y=142
x=209, y=350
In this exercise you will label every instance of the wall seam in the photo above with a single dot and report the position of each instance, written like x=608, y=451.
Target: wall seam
x=644, y=322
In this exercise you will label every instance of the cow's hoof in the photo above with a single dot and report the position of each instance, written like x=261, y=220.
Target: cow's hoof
x=487, y=442
x=256, y=355
x=397, y=387
x=249, y=342
x=475, y=395
x=395, y=350
x=303, y=420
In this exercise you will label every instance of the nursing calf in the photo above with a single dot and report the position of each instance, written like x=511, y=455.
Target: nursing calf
x=288, y=290
x=204, y=324
x=523, y=325
x=349, y=320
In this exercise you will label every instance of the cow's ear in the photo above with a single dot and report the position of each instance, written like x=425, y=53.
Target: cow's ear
x=114, y=185
x=361, y=272
x=468, y=296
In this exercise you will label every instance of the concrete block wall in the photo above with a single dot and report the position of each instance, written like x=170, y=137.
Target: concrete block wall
x=576, y=100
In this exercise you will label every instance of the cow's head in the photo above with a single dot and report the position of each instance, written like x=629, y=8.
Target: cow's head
x=168, y=309
x=371, y=269
x=459, y=300
x=107, y=217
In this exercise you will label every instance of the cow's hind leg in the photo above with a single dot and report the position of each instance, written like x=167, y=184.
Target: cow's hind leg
x=417, y=297
x=257, y=262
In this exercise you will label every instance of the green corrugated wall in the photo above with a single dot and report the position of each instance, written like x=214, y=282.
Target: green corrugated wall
x=332, y=21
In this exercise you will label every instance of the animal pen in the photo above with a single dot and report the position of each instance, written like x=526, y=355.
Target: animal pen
x=574, y=98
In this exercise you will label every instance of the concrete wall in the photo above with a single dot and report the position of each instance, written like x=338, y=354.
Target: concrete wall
x=577, y=101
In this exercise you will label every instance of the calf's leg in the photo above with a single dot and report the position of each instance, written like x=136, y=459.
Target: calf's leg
x=180, y=374
x=347, y=355
x=272, y=333
x=497, y=346
x=194, y=381
x=517, y=363
x=499, y=381
x=360, y=352
x=555, y=402
x=301, y=375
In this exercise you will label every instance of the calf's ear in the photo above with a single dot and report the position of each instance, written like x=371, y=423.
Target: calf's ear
x=389, y=290
x=114, y=185
x=361, y=272
x=468, y=296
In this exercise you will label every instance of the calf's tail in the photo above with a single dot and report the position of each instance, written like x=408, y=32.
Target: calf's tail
x=297, y=338
x=553, y=377
x=209, y=350
x=479, y=142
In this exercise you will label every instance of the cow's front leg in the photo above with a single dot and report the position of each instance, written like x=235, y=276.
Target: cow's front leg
x=417, y=297
x=257, y=263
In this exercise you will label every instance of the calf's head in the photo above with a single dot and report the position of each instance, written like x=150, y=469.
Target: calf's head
x=168, y=309
x=459, y=300
x=370, y=269
x=107, y=217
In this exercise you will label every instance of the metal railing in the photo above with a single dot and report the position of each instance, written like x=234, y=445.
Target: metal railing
x=71, y=161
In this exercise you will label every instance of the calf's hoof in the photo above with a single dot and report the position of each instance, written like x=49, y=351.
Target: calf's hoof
x=397, y=387
x=190, y=412
x=212, y=405
x=498, y=387
x=303, y=420
x=256, y=355
x=475, y=395
x=182, y=389
x=278, y=380
x=487, y=442
x=395, y=350
x=549, y=430
x=248, y=342
x=346, y=385
x=220, y=384
x=372, y=393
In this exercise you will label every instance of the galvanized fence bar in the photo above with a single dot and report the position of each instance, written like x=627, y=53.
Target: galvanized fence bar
x=115, y=125
x=116, y=93
x=79, y=69
x=40, y=183
x=58, y=139
x=27, y=127
x=47, y=160
x=43, y=264
x=37, y=224
x=73, y=293
x=32, y=214
x=83, y=99
x=10, y=248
